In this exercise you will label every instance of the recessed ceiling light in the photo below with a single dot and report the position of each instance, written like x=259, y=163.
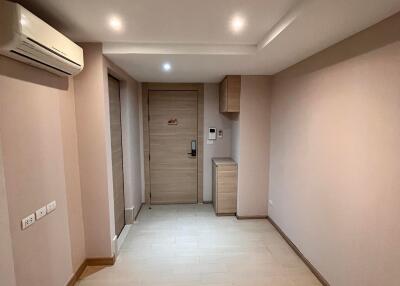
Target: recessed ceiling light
x=237, y=24
x=167, y=67
x=115, y=23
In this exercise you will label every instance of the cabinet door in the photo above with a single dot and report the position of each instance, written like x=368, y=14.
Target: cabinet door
x=117, y=154
x=233, y=93
x=214, y=187
x=223, y=96
x=229, y=94
x=227, y=186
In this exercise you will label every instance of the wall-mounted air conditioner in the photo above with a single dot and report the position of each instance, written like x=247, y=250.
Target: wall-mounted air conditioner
x=26, y=38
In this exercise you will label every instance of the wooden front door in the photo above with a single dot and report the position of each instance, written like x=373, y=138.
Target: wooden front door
x=173, y=131
x=117, y=159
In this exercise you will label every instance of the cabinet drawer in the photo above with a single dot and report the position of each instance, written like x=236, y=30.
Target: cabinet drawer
x=228, y=168
x=227, y=203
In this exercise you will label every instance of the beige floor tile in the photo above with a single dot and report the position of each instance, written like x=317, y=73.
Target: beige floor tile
x=305, y=280
x=188, y=245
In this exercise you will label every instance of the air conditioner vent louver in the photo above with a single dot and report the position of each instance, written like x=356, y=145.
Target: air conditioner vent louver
x=39, y=62
x=55, y=53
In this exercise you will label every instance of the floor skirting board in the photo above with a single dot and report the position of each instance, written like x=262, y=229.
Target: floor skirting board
x=129, y=215
x=121, y=237
x=140, y=208
x=225, y=214
x=251, y=217
x=77, y=274
x=101, y=261
x=300, y=254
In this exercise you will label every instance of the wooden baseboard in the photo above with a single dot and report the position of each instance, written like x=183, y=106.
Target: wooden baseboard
x=298, y=252
x=100, y=261
x=106, y=261
x=251, y=217
x=225, y=214
x=77, y=274
x=136, y=216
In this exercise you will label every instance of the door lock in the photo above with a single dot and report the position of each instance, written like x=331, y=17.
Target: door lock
x=193, y=149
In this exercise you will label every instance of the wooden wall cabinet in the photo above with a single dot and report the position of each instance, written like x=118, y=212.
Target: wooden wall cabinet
x=229, y=94
x=224, y=186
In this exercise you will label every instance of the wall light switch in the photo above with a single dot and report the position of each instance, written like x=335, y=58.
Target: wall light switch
x=41, y=212
x=28, y=221
x=51, y=206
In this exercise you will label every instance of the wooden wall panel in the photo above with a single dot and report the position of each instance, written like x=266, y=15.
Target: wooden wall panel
x=116, y=148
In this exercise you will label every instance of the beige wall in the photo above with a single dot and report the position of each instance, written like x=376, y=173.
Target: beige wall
x=335, y=140
x=72, y=177
x=55, y=146
x=94, y=141
x=7, y=273
x=35, y=162
x=253, y=146
x=221, y=147
x=91, y=112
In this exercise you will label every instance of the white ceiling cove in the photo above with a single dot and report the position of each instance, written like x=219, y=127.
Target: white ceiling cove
x=195, y=36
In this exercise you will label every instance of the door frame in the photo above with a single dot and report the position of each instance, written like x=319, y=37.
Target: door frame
x=199, y=87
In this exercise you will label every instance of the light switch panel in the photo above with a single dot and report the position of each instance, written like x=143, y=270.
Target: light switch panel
x=28, y=221
x=41, y=212
x=51, y=206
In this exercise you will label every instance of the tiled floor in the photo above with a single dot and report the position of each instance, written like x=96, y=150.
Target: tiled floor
x=188, y=245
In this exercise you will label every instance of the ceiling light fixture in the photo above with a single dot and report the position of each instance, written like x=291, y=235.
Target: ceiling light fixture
x=115, y=23
x=237, y=24
x=167, y=67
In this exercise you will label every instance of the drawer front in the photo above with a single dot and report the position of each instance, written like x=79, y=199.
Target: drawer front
x=226, y=189
x=227, y=181
x=227, y=168
x=227, y=202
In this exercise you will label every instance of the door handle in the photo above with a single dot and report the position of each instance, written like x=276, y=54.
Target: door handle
x=193, y=148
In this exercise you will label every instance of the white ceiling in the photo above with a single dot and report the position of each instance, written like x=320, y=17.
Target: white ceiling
x=195, y=36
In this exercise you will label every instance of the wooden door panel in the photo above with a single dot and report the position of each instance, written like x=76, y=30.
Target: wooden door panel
x=116, y=154
x=173, y=173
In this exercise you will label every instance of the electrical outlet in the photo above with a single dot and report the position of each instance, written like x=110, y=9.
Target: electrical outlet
x=51, y=206
x=41, y=212
x=28, y=221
